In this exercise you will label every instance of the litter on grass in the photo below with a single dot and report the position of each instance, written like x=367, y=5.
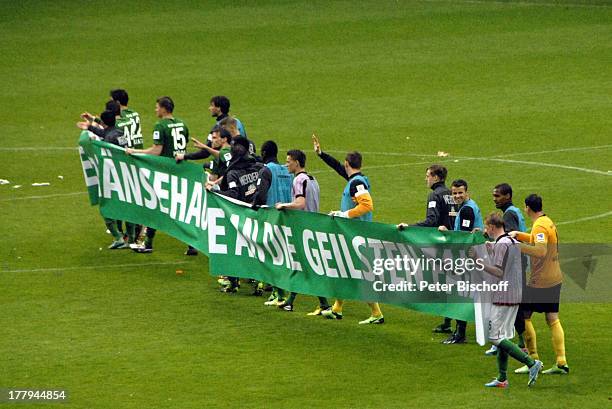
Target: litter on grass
x=41, y=184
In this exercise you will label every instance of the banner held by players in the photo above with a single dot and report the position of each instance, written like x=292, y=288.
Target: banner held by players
x=308, y=253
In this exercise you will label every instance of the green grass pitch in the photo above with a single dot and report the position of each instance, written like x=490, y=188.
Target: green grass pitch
x=516, y=92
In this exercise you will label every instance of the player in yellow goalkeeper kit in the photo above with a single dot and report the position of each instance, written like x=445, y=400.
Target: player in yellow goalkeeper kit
x=543, y=289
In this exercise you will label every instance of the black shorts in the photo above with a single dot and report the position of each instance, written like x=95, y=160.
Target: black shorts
x=541, y=299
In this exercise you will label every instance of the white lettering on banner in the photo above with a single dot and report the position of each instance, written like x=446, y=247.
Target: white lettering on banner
x=195, y=205
x=130, y=183
x=95, y=163
x=311, y=252
x=111, y=180
x=214, y=231
x=337, y=255
x=269, y=238
x=151, y=202
x=349, y=260
x=260, y=252
x=88, y=164
x=243, y=238
x=178, y=198
x=204, y=221
x=377, y=246
x=325, y=254
x=283, y=244
x=358, y=242
x=159, y=178
x=295, y=265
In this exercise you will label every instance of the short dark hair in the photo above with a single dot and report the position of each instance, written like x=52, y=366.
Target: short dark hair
x=354, y=159
x=221, y=102
x=298, y=155
x=108, y=118
x=504, y=189
x=120, y=95
x=224, y=133
x=113, y=106
x=534, y=202
x=495, y=219
x=166, y=103
x=439, y=171
x=269, y=149
x=459, y=183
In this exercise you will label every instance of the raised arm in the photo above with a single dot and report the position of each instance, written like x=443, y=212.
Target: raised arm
x=328, y=159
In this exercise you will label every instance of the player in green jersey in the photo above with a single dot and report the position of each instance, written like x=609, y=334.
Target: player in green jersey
x=170, y=137
x=129, y=120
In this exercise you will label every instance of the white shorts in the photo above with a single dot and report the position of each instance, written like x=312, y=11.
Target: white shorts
x=501, y=321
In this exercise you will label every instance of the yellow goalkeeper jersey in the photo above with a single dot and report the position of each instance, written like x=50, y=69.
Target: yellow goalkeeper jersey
x=543, y=251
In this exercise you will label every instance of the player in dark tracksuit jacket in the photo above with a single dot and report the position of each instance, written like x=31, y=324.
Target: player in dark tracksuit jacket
x=440, y=207
x=440, y=212
x=240, y=182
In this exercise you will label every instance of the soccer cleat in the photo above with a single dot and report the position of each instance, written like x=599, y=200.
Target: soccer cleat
x=273, y=302
x=373, y=320
x=497, y=384
x=224, y=282
x=317, y=311
x=331, y=314
x=142, y=249
x=454, y=339
x=534, y=371
x=442, y=329
x=258, y=289
x=491, y=351
x=557, y=370
x=283, y=305
x=524, y=369
x=191, y=251
x=118, y=244
x=230, y=289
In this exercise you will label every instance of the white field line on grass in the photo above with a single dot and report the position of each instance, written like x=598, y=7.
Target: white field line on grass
x=425, y=155
x=584, y=219
x=586, y=148
x=33, y=148
x=542, y=164
x=523, y=3
x=417, y=155
x=43, y=196
x=35, y=270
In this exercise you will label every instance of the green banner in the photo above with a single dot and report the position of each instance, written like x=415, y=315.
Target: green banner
x=308, y=253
